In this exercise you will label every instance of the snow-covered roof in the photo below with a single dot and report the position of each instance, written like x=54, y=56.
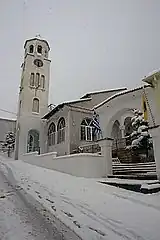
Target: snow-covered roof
x=103, y=91
x=149, y=78
x=7, y=119
x=117, y=95
x=77, y=100
x=61, y=105
x=33, y=39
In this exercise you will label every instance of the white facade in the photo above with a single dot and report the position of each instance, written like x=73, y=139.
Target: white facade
x=33, y=96
x=34, y=122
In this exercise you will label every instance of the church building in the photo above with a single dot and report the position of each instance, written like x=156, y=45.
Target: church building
x=68, y=127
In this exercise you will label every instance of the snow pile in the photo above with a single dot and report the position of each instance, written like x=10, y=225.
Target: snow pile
x=91, y=209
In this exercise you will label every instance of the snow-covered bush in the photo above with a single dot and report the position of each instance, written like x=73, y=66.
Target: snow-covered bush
x=140, y=137
x=9, y=141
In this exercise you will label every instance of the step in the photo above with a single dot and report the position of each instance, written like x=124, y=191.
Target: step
x=136, y=177
x=134, y=167
x=133, y=171
x=134, y=164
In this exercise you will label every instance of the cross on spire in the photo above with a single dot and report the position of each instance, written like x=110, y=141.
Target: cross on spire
x=38, y=36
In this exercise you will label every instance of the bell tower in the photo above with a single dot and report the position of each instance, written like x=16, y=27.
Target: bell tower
x=33, y=95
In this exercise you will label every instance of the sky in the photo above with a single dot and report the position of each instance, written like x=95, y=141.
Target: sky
x=95, y=44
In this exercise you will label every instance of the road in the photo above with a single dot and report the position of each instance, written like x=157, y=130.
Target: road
x=21, y=219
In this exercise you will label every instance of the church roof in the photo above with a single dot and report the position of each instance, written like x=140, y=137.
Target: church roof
x=61, y=105
x=117, y=95
x=33, y=39
x=103, y=91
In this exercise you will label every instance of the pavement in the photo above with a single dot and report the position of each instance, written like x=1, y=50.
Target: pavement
x=23, y=218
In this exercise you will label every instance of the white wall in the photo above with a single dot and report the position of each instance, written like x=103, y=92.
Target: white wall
x=121, y=106
x=80, y=165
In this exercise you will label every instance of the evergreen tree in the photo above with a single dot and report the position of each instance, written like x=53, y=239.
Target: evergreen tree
x=140, y=137
x=9, y=141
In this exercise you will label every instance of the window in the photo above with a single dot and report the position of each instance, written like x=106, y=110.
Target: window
x=31, y=48
x=61, y=131
x=42, y=81
x=39, y=49
x=35, y=107
x=46, y=53
x=32, y=79
x=52, y=134
x=37, y=80
x=88, y=130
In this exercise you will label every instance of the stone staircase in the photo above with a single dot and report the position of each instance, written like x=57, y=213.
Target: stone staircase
x=145, y=170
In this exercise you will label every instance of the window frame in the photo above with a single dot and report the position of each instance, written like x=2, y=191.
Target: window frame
x=87, y=131
x=37, y=80
x=31, y=47
x=52, y=134
x=61, y=126
x=33, y=106
x=39, y=47
x=32, y=79
x=42, y=81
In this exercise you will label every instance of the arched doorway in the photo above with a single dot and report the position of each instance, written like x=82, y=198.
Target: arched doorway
x=116, y=131
x=116, y=135
x=33, y=141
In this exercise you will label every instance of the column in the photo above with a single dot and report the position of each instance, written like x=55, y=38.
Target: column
x=106, y=151
x=155, y=133
x=43, y=137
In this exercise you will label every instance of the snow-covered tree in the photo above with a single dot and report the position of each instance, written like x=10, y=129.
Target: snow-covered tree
x=140, y=137
x=9, y=141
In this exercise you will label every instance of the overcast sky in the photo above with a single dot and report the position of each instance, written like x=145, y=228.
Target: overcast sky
x=95, y=44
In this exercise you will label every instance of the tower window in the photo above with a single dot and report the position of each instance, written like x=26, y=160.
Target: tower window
x=37, y=80
x=31, y=48
x=32, y=79
x=35, y=107
x=39, y=49
x=46, y=53
x=42, y=81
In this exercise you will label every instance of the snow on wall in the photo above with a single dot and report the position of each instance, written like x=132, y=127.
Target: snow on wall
x=80, y=165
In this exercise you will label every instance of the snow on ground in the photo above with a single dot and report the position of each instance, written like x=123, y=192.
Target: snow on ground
x=91, y=209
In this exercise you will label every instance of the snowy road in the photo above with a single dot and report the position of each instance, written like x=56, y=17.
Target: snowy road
x=21, y=220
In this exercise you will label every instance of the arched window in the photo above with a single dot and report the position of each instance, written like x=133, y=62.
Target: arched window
x=35, y=107
x=52, y=134
x=32, y=79
x=61, y=131
x=33, y=141
x=42, y=81
x=88, y=132
x=39, y=49
x=37, y=80
x=31, y=48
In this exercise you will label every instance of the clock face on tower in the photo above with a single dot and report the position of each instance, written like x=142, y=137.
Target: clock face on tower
x=38, y=62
